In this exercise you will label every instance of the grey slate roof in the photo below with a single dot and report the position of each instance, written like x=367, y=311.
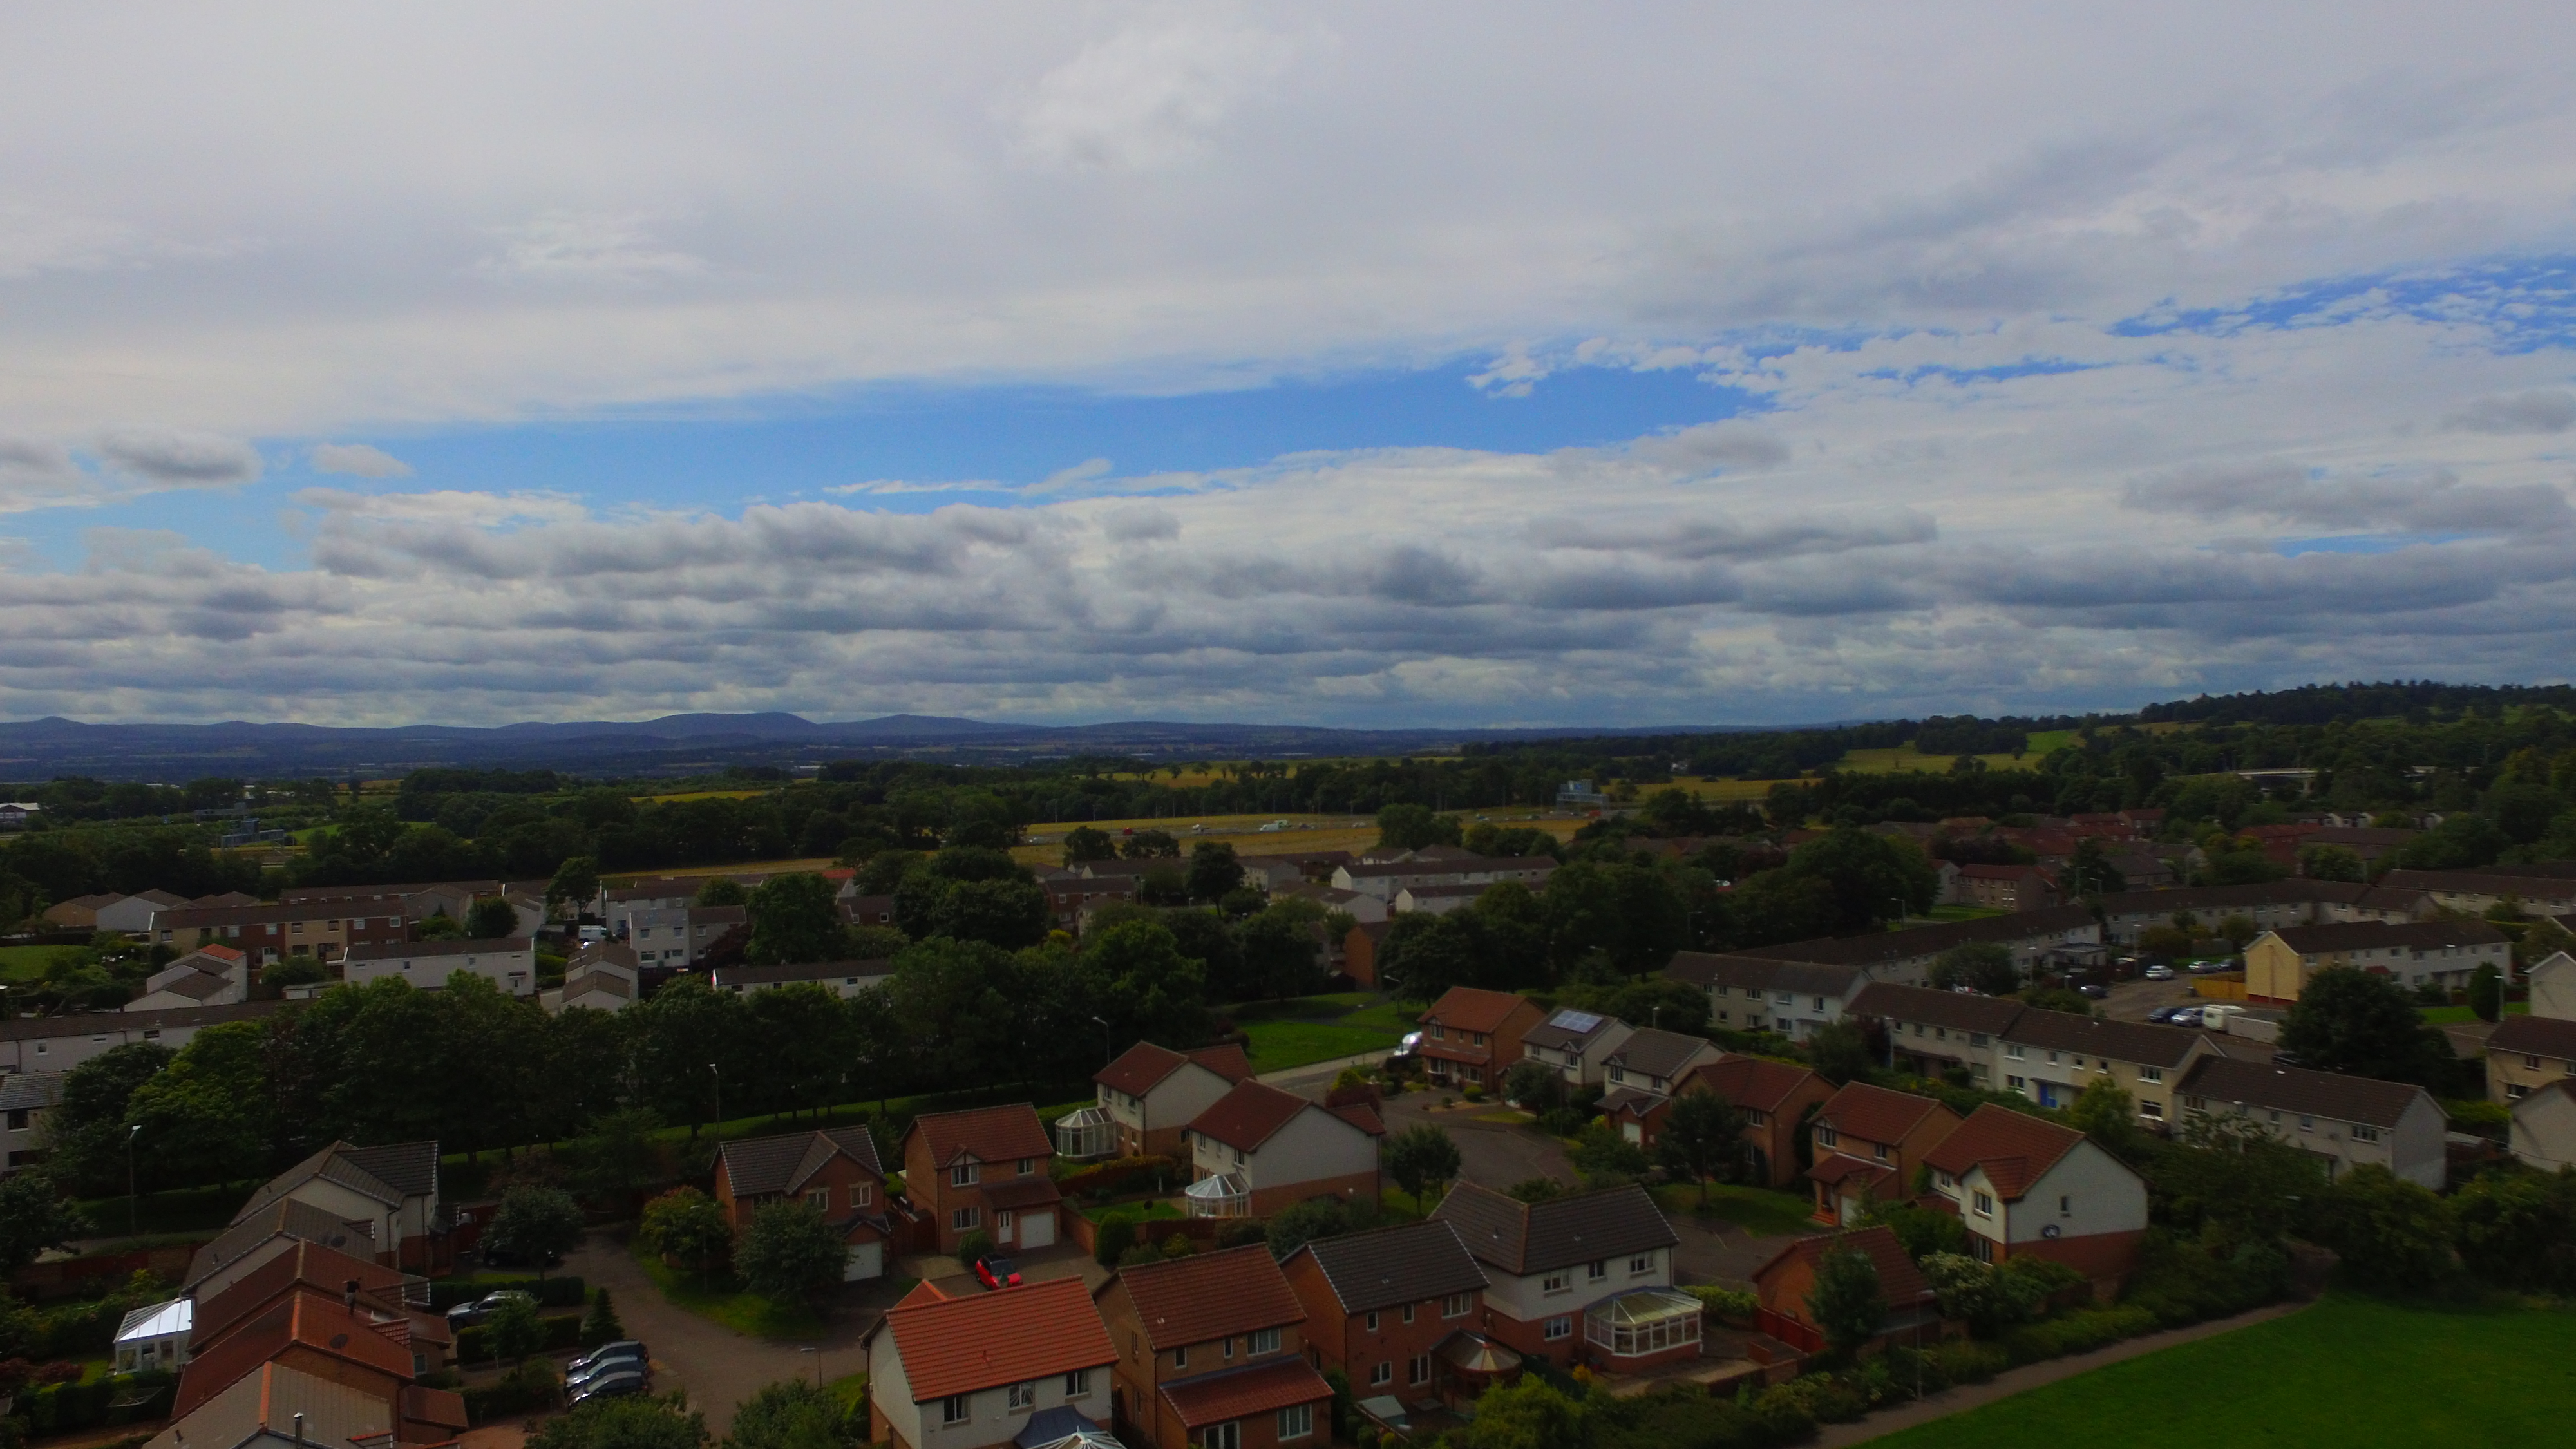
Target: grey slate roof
x=758, y=1166
x=1956, y=1010
x=1704, y=969
x=2380, y=935
x=1388, y=1266
x=453, y=946
x=2225, y=1081
x=1654, y=1053
x=409, y=1168
x=132, y=1023
x=1524, y=1238
x=284, y=1217
x=27, y=1091
x=2122, y=1041
x=1879, y=947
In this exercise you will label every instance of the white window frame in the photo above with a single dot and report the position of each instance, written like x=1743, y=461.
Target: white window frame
x=1023, y=1397
x=1296, y=1422
x=1077, y=1384
x=1261, y=1341
x=1557, y=1328
x=956, y=1409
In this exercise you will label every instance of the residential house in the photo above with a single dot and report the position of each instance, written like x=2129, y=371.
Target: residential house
x=1072, y=897
x=14, y=814
x=861, y=910
x=274, y=932
x=1360, y=951
x=338, y=1368
x=79, y=913
x=508, y=962
x=2545, y=888
x=2345, y=1121
x=1151, y=1093
x=2024, y=1187
x=1474, y=1035
x=2006, y=887
x=1867, y=1143
x=2553, y=986
x=983, y=1170
x=207, y=976
x=279, y=1226
x=417, y=900
x=1755, y=993
x=2268, y=904
x=1025, y=1365
x=2058, y=934
x=1782, y=1286
x=2544, y=1126
x=1561, y=1274
x=1211, y=1351
x=2439, y=953
x=135, y=915
x=1365, y=909
x=1396, y=1310
x=60, y=1043
x=1775, y=1098
x=616, y=906
x=2052, y=1056
x=835, y=1172
x=1386, y=879
x=2368, y=842
x=677, y=936
x=1930, y=1032
x=25, y=1099
x=601, y=976
x=1258, y=1149
x=392, y=1302
x=1574, y=1043
x=845, y=979
x=392, y=1189
x=1642, y=1077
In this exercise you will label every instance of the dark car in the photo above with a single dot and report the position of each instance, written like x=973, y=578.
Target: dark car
x=2092, y=992
x=995, y=1272
x=609, y=1385
x=580, y=1380
x=622, y=1351
x=467, y=1315
x=2289, y=1059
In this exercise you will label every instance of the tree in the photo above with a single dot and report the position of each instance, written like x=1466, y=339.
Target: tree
x=1975, y=1294
x=794, y=920
x=1846, y=1302
x=576, y=880
x=1535, y=1086
x=1865, y=875
x=515, y=1328
x=687, y=1225
x=1084, y=844
x=2389, y=1232
x=1528, y=1414
x=2486, y=992
x=790, y=1254
x=2109, y=1115
x=619, y=1158
x=796, y=1414
x=600, y=1325
x=2353, y=1021
x=1278, y=950
x=1136, y=977
x=439, y=926
x=491, y=919
x=1839, y=1051
x=1213, y=870
x=1411, y=827
x=1702, y=1133
x=1420, y=1157
x=2234, y=1173
x=1153, y=845
x=2518, y=1229
x=1985, y=967
x=534, y=1224
x=723, y=890
x=2331, y=862
x=1299, y=1223
x=624, y=1423
x=33, y=1220
x=1605, y=1157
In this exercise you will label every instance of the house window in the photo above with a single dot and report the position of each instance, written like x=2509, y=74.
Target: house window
x=1417, y=1370
x=1558, y=1328
x=2151, y=1074
x=1878, y=1150
x=1945, y=1180
x=1641, y=1263
x=1180, y=1358
x=1382, y=1375
x=966, y=1217
x=1372, y=1321
x=1456, y=1305
x=2307, y=1124
x=1985, y=1206
x=1264, y=1340
x=18, y=1117
x=2195, y=1103
x=2065, y=1206
x=1227, y=1351
x=955, y=1409
x=2015, y=1084
x=2531, y=1061
x=1596, y=1270
x=1555, y=1283
x=1228, y=1435
x=1077, y=1384
x=2364, y=1134
x=1296, y=1421
x=1023, y=1166
x=1984, y=1248
x=2012, y=1050
x=1825, y=1136
x=964, y=1174
x=820, y=1199
x=1024, y=1397
x=1408, y=1313
x=2152, y=1111
x=861, y=1194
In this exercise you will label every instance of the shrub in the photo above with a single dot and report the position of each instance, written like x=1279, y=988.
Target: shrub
x=529, y=1386
x=1731, y=1304
x=1178, y=1245
x=1236, y=1232
x=1817, y=1398
x=2079, y=1332
x=1966, y=1361
x=972, y=1246
x=601, y=1325
x=1473, y=1091
x=1110, y=1243
x=2183, y=1282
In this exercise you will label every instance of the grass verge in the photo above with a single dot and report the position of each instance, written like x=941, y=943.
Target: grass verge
x=728, y=1303
x=1279, y=1045
x=1757, y=1210
x=2351, y=1372
x=2456, y=1015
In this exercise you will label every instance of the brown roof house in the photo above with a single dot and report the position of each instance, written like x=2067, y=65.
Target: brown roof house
x=1399, y=1311
x=1023, y=1366
x=1867, y=1143
x=1258, y=1149
x=1473, y=1035
x=1783, y=1285
x=1775, y=1097
x=2344, y=1121
x=1150, y=1093
x=1585, y=1278
x=1211, y=1350
x=2544, y=1126
x=1643, y=1073
x=392, y=1189
x=835, y=1172
x=983, y=1170
x=2528, y=1053
x=2028, y=1188
x=2416, y=953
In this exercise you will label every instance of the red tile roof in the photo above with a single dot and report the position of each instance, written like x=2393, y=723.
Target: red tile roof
x=1248, y=1116
x=1876, y=1114
x=960, y=1345
x=305, y=1265
x=925, y=1291
x=1225, y=1059
x=1469, y=1008
x=1362, y=1115
x=1142, y=1067
x=2015, y=1150
x=1208, y=1296
x=1837, y=1167
x=988, y=1134
x=304, y=1317
x=1749, y=1082
x=1215, y=1398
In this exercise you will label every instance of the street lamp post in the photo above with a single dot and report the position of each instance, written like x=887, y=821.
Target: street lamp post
x=1104, y=1039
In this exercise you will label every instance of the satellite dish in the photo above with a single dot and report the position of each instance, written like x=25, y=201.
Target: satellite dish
x=2049, y=1231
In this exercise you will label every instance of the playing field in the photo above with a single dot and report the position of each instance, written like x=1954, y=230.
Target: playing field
x=2350, y=1372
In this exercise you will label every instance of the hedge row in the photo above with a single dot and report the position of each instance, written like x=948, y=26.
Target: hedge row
x=565, y=1292
x=116, y=1399
x=474, y=1345
x=530, y=1386
x=1123, y=1175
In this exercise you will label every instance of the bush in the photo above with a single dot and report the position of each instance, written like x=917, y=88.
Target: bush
x=2184, y=1283
x=529, y=1386
x=66, y=1406
x=1110, y=1243
x=1734, y=1305
x=972, y=1246
x=1120, y=1176
x=1966, y=1361
x=2079, y=1332
x=1473, y=1091
x=1818, y=1398
x=1238, y=1232
x=1178, y=1245
x=561, y=1330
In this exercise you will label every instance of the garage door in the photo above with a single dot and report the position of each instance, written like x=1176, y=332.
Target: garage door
x=866, y=1260
x=1037, y=1230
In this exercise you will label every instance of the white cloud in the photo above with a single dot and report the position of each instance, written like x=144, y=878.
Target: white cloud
x=358, y=460
x=1154, y=94
x=585, y=250
x=174, y=458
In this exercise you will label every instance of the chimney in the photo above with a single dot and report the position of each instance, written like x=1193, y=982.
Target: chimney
x=349, y=1296
x=299, y=1427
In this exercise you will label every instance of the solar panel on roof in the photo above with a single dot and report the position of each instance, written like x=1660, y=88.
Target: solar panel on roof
x=1576, y=1021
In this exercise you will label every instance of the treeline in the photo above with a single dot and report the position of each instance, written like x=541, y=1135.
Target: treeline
x=39, y=869
x=2417, y=701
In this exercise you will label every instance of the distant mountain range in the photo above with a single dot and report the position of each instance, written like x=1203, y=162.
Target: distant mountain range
x=676, y=744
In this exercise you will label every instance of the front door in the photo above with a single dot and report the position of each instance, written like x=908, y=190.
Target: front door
x=1037, y=1230
x=1002, y=1223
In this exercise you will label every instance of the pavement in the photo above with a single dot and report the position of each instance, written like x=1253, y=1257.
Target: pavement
x=1311, y=1079
x=1491, y=1153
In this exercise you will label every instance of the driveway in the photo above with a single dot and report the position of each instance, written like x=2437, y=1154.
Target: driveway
x=1492, y=1154
x=719, y=1367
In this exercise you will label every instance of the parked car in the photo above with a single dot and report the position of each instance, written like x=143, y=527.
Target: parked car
x=600, y=1373
x=2211, y=968
x=2160, y=973
x=995, y=1272
x=2184, y=1016
x=2289, y=1059
x=610, y=1385
x=623, y=1351
x=2092, y=992
x=1410, y=1046
x=467, y=1315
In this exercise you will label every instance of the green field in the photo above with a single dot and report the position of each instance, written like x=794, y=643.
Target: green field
x=1319, y=1028
x=2454, y=1015
x=28, y=963
x=1758, y=1210
x=2349, y=1372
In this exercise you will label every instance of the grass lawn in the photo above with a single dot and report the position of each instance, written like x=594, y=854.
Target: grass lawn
x=727, y=1303
x=28, y=963
x=2349, y=1372
x=1154, y=1211
x=195, y=1210
x=1755, y=1209
x=2454, y=1015
x=1964, y=913
x=1277, y=1045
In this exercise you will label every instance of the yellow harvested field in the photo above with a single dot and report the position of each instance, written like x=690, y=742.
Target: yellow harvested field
x=1721, y=792
x=1353, y=833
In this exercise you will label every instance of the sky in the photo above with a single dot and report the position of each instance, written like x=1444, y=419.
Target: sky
x=1436, y=364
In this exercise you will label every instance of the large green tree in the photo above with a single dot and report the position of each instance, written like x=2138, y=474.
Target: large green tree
x=790, y=1254
x=794, y=919
x=1847, y=1302
x=2358, y=1022
x=796, y=1414
x=1702, y=1135
x=1420, y=1158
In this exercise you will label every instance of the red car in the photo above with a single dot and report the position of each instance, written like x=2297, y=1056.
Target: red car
x=995, y=1272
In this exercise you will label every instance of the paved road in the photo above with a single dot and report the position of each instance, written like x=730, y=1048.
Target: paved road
x=1491, y=1154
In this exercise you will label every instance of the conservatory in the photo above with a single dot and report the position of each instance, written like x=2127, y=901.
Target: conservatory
x=1086, y=1134
x=1221, y=1196
x=1647, y=1321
